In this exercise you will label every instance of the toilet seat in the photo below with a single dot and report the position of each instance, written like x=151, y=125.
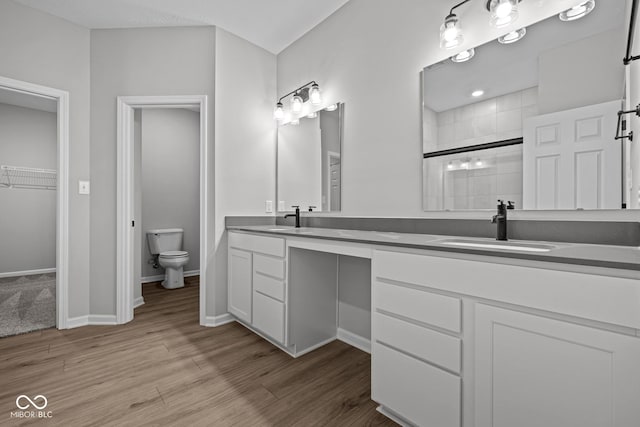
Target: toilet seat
x=174, y=254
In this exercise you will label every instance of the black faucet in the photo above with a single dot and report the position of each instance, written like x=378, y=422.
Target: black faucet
x=501, y=220
x=297, y=215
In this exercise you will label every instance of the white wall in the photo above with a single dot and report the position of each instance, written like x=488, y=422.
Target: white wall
x=42, y=49
x=170, y=180
x=150, y=61
x=369, y=55
x=244, y=141
x=569, y=77
x=28, y=227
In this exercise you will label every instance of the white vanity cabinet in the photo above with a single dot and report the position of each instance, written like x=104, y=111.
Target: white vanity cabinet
x=256, y=282
x=479, y=343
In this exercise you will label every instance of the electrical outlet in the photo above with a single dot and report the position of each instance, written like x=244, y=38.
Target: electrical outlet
x=268, y=206
x=84, y=187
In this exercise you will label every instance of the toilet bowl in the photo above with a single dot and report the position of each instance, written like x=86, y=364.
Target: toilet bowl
x=173, y=262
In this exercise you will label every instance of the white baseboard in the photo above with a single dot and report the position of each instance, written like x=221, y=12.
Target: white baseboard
x=160, y=277
x=27, y=272
x=102, y=319
x=352, y=339
x=76, y=322
x=223, y=319
x=138, y=302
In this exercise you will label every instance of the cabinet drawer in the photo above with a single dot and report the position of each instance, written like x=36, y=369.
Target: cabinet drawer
x=268, y=316
x=268, y=286
x=435, y=347
x=437, y=310
x=270, y=266
x=421, y=393
x=255, y=243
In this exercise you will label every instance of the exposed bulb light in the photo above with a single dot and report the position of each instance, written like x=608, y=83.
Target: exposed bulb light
x=278, y=113
x=464, y=165
x=314, y=94
x=477, y=93
x=312, y=115
x=296, y=104
x=332, y=107
x=513, y=36
x=464, y=56
x=577, y=12
x=478, y=162
x=503, y=12
x=450, y=166
x=450, y=32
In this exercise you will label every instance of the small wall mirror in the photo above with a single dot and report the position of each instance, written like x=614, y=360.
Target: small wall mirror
x=532, y=121
x=309, y=162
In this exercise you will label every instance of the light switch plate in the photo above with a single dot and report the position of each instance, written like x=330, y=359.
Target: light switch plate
x=84, y=187
x=268, y=206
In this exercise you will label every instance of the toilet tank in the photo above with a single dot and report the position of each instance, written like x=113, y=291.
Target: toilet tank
x=163, y=240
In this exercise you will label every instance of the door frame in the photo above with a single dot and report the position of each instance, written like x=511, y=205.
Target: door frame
x=125, y=195
x=62, y=188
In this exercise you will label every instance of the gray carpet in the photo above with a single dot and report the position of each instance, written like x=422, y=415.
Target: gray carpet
x=27, y=303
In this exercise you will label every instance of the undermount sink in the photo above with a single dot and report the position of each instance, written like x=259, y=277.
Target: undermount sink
x=502, y=245
x=278, y=229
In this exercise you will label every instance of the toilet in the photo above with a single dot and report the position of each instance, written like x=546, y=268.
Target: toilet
x=166, y=244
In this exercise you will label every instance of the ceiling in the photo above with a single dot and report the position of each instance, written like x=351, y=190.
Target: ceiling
x=501, y=69
x=272, y=24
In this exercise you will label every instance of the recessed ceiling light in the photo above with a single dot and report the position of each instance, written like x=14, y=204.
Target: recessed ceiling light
x=513, y=36
x=463, y=56
x=477, y=93
x=577, y=12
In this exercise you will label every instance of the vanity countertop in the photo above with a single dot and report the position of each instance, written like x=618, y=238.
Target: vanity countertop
x=607, y=256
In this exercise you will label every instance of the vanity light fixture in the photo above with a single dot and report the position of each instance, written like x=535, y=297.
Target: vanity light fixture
x=577, y=12
x=513, y=36
x=332, y=107
x=450, y=166
x=450, y=31
x=477, y=93
x=307, y=92
x=503, y=12
x=464, y=56
x=478, y=162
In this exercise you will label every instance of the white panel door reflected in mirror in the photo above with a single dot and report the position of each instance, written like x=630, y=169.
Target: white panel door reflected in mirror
x=533, y=121
x=309, y=162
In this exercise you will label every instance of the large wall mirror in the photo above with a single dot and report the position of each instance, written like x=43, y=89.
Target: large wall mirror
x=533, y=121
x=309, y=161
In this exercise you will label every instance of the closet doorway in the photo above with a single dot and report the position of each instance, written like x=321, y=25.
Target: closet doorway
x=131, y=237
x=34, y=195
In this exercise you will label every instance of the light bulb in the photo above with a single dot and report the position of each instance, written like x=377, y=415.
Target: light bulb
x=478, y=162
x=503, y=12
x=513, y=36
x=464, y=165
x=450, y=32
x=278, y=113
x=332, y=107
x=577, y=12
x=464, y=56
x=450, y=166
x=314, y=95
x=296, y=104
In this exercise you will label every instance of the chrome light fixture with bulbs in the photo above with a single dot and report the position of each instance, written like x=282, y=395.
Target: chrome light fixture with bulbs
x=503, y=12
x=307, y=92
x=450, y=31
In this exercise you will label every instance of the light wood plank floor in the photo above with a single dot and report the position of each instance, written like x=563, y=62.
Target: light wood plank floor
x=164, y=369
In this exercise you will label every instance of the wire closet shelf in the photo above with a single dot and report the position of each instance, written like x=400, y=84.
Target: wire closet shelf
x=22, y=177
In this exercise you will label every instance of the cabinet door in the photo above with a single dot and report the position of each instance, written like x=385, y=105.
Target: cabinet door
x=533, y=371
x=240, y=284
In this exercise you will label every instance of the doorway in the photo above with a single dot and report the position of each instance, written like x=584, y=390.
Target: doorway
x=128, y=225
x=51, y=108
